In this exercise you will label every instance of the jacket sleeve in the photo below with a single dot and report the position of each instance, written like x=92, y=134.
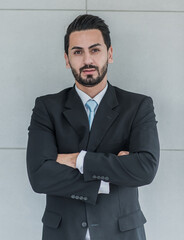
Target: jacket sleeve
x=45, y=174
x=140, y=166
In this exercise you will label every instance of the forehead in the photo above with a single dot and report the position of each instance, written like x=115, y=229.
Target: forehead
x=85, y=38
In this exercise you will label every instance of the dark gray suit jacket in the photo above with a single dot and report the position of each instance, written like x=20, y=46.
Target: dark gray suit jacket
x=59, y=124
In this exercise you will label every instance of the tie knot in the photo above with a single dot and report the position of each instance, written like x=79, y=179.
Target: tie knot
x=91, y=105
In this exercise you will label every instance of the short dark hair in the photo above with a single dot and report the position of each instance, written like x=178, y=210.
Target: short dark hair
x=87, y=22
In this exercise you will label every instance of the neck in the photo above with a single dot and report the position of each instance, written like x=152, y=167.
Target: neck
x=92, y=91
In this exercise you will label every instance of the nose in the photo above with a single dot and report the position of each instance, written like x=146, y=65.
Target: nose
x=88, y=60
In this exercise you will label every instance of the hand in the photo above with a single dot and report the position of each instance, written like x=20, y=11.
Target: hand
x=67, y=159
x=122, y=153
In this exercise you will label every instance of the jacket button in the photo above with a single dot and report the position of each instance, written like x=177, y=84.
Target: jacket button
x=98, y=177
x=106, y=178
x=84, y=224
x=73, y=196
x=102, y=177
x=94, y=176
x=77, y=197
x=85, y=198
x=81, y=198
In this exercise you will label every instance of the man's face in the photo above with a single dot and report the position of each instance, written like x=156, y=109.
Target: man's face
x=88, y=57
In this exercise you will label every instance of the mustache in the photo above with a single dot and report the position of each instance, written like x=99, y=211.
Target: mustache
x=88, y=67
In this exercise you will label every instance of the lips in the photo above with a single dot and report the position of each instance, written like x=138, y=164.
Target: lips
x=89, y=71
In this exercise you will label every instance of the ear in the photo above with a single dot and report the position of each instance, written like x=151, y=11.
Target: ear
x=67, y=61
x=110, y=55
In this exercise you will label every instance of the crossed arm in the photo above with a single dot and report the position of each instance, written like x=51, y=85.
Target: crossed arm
x=55, y=174
x=71, y=158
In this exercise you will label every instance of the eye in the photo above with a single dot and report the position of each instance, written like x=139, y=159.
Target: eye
x=95, y=50
x=77, y=52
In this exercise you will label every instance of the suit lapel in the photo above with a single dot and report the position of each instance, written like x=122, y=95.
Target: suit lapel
x=103, y=119
x=77, y=117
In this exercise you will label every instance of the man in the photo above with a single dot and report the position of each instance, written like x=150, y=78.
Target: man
x=91, y=146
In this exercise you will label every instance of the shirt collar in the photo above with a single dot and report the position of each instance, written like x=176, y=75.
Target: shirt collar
x=84, y=97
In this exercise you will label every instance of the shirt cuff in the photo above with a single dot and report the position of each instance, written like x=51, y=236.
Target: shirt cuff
x=104, y=188
x=80, y=161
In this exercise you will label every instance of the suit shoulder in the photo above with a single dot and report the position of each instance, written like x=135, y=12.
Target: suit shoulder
x=130, y=96
x=54, y=97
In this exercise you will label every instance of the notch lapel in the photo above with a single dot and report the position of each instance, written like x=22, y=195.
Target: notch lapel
x=77, y=117
x=104, y=118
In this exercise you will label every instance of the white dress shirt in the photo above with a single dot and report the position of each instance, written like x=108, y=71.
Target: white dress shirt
x=104, y=186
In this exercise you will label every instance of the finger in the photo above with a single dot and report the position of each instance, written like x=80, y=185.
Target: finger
x=122, y=153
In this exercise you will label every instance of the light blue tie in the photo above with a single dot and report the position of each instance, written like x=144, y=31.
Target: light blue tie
x=91, y=105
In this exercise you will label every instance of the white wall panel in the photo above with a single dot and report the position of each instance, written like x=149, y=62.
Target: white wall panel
x=21, y=209
x=157, y=5
x=162, y=201
x=149, y=59
x=42, y=4
x=32, y=64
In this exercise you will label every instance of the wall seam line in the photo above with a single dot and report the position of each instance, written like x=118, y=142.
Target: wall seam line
x=97, y=10
x=137, y=11
x=42, y=10
x=86, y=6
x=163, y=150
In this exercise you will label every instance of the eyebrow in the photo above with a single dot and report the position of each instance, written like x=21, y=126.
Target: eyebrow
x=92, y=46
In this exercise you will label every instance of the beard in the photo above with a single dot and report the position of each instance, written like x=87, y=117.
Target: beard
x=89, y=80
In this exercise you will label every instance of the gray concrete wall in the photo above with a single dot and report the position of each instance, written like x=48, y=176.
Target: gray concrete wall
x=148, y=41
